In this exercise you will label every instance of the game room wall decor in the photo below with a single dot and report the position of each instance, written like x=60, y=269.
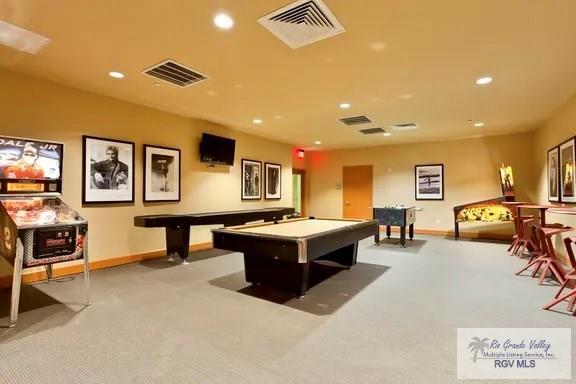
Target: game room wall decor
x=108, y=170
x=567, y=172
x=161, y=174
x=507, y=181
x=429, y=181
x=273, y=181
x=251, y=179
x=553, y=174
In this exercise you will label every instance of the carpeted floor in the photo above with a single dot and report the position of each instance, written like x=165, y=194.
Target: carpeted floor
x=392, y=318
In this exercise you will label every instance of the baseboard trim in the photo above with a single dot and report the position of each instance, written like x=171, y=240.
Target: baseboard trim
x=33, y=277
x=445, y=233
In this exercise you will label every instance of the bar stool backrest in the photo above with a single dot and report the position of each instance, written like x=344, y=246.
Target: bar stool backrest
x=568, y=244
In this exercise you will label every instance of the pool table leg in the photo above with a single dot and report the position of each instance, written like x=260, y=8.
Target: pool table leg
x=304, y=276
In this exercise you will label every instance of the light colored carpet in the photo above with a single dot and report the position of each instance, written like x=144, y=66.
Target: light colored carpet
x=390, y=319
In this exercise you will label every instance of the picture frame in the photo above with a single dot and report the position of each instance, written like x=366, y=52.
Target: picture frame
x=107, y=170
x=251, y=180
x=507, y=181
x=162, y=172
x=429, y=181
x=272, y=181
x=566, y=168
x=553, y=174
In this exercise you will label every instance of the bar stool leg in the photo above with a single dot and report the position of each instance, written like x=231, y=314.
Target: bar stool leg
x=560, y=299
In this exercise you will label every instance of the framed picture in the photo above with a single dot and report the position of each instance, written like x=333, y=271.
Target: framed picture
x=161, y=173
x=108, y=170
x=507, y=181
x=429, y=182
x=251, y=179
x=273, y=181
x=567, y=171
x=553, y=174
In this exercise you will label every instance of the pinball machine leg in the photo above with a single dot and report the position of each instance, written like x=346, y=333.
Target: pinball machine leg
x=86, y=270
x=16, y=283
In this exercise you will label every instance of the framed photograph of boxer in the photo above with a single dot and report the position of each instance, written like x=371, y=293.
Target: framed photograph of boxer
x=429, y=181
x=273, y=181
x=108, y=171
x=161, y=174
x=251, y=179
x=567, y=187
x=554, y=174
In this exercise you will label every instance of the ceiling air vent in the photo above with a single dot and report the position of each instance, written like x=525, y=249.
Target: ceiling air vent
x=405, y=126
x=371, y=131
x=302, y=22
x=355, y=120
x=175, y=73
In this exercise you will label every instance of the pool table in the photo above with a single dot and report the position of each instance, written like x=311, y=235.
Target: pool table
x=282, y=253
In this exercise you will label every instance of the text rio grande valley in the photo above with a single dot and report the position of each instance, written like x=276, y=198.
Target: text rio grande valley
x=511, y=354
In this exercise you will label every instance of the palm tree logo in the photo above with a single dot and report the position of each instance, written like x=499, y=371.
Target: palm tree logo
x=478, y=346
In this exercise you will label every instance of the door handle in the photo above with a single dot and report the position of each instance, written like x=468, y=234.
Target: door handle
x=347, y=202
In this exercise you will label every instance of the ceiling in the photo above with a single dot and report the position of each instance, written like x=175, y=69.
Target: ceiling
x=398, y=61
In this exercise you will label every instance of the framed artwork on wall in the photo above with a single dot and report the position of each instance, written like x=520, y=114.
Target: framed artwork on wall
x=429, y=181
x=507, y=180
x=107, y=170
x=251, y=179
x=161, y=174
x=567, y=193
x=553, y=174
x=273, y=181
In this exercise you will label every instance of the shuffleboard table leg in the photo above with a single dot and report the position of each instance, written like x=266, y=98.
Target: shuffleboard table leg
x=411, y=231
x=178, y=241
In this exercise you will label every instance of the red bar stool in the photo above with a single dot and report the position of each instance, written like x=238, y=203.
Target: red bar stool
x=548, y=259
x=524, y=239
x=570, y=276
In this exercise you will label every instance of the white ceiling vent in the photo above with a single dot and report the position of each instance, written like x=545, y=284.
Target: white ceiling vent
x=371, y=131
x=355, y=120
x=302, y=22
x=175, y=73
x=405, y=126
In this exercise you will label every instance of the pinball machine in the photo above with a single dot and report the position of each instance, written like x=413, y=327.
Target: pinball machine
x=37, y=228
x=489, y=210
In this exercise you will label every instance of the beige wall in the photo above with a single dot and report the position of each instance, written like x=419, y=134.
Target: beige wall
x=559, y=128
x=38, y=109
x=470, y=174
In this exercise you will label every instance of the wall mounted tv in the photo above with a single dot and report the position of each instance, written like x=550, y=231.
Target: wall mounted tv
x=217, y=150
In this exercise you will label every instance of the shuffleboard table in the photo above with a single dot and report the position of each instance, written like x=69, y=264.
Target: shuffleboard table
x=281, y=254
x=178, y=226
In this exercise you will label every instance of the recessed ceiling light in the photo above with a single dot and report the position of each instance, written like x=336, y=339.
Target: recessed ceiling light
x=317, y=142
x=484, y=80
x=156, y=84
x=406, y=96
x=116, y=75
x=387, y=134
x=21, y=39
x=278, y=117
x=479, y=124
x=344, y=105
x=257, y=121
x=223, y=21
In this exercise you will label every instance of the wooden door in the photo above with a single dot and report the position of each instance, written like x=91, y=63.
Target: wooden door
x=299, y=191
x=357, y=191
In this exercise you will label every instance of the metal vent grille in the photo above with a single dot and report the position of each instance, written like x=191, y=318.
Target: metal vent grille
x=175, y=73
x=405, y=126
x=371, y=131
x=355, y=120
x=302, y=22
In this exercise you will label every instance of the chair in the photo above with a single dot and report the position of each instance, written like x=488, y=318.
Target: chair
x=547, y=260
x=524, y=239
x=570, y=276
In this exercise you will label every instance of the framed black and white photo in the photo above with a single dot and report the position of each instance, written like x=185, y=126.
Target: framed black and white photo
x=251, y=179
x=108, y=170
x=567, y=190
x=429, y=182
x=553, y=174
x=161, y=173
x=273, y=181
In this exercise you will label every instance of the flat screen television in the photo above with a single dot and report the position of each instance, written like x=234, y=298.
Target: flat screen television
x=217, y=150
